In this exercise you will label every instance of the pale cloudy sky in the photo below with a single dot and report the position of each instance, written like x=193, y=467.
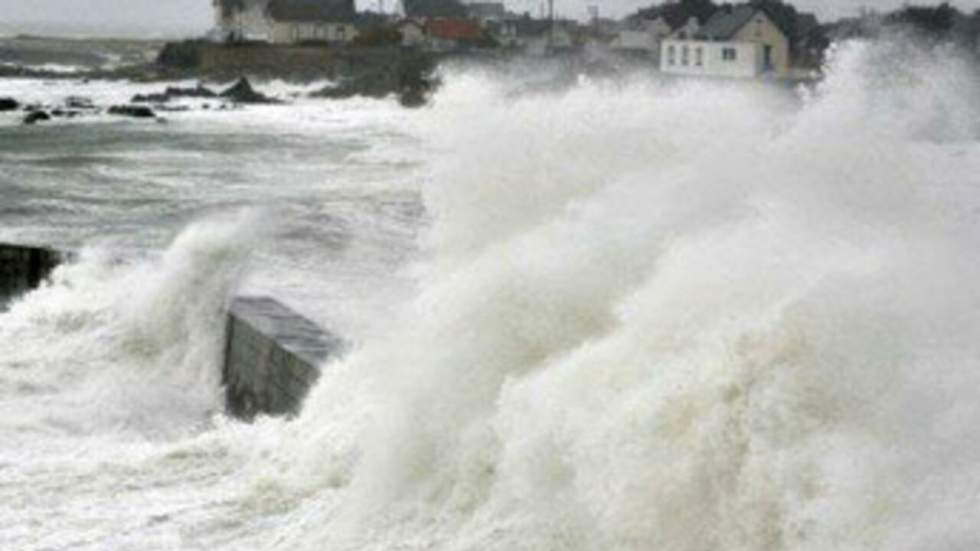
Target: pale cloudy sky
x=193, y=16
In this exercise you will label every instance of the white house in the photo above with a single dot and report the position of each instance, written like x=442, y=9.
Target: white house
x=743, y=42
x=237, y=20
x=295, y=21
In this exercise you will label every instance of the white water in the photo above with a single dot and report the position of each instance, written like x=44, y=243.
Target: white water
x=693, y=316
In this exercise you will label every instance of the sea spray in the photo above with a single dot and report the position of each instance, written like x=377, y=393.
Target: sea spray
x=685, y=316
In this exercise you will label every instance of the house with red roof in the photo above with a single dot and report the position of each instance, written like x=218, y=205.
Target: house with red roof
x=448, y=34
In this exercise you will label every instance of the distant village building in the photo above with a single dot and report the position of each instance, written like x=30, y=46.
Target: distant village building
x=444, y=34
x=504, y=32
x=295, y=21
x=238, y=20
x=743, y=42
x=642, y=37
x=485, y=12
x=541, y=37
x=687, y=30
x=413, y=33
x=449, y=34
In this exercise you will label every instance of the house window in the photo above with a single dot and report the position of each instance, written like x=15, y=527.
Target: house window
x=341, y=33
x=685, y=55
x=699, y=56
x=671, y=55
x=729, y=54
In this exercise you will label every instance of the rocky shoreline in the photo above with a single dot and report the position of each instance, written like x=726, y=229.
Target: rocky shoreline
x=369, y=72
x=140, y=106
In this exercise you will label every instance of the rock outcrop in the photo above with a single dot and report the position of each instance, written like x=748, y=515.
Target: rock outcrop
x=9, y=104
x=410, y=78
x=242, y=92
x=35, y=117
x=173, y=92
x=134, y=111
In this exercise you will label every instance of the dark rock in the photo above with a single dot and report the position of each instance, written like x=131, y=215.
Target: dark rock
x=376, y=84
x=242, y=92
x=67, y=113
x=36, y=116
x=8, y=104
x=174, y=92
x=135, y=111
x=198, y=91
x=150, y=98
x=78, y=102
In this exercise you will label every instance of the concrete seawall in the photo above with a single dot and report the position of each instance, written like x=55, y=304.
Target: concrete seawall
x=272, y=357
x=24, y=268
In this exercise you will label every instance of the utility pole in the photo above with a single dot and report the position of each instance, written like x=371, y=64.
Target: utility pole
x=551, y=25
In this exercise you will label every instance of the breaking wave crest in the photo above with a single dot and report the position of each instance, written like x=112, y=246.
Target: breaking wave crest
x=695, y=315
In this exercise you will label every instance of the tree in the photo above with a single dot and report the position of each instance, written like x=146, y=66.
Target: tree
x=435, y=8
x=935, y=22
x=678, y=12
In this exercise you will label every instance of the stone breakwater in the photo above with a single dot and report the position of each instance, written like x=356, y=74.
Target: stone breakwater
x=24, y=268
x=272, y=354
x=272, y=358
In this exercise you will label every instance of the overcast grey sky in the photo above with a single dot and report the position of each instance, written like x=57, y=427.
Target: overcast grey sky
x=194, y=16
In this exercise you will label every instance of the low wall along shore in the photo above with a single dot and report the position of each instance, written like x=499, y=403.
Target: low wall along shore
x=272, y=358
x=24, y=268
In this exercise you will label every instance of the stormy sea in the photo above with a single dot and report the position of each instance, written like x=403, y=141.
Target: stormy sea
x=617, y=314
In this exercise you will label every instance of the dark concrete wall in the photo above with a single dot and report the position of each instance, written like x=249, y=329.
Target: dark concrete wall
x=272, y=359
x=24, y=268
x=263, y=58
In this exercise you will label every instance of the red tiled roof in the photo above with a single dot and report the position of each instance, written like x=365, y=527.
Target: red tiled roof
x=455, y=29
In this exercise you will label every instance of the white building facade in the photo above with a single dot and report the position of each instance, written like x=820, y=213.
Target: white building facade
x=704, y=58
x=237, y=20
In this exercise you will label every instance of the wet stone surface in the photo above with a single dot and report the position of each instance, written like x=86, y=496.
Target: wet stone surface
x=273, y=357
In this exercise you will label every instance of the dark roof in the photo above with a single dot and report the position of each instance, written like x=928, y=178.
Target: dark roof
x=806, y=23
x=312, y=10
x=726, y=22
x=455, y=29
x=434, y=8
x=531, y=27
x=487, y=9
